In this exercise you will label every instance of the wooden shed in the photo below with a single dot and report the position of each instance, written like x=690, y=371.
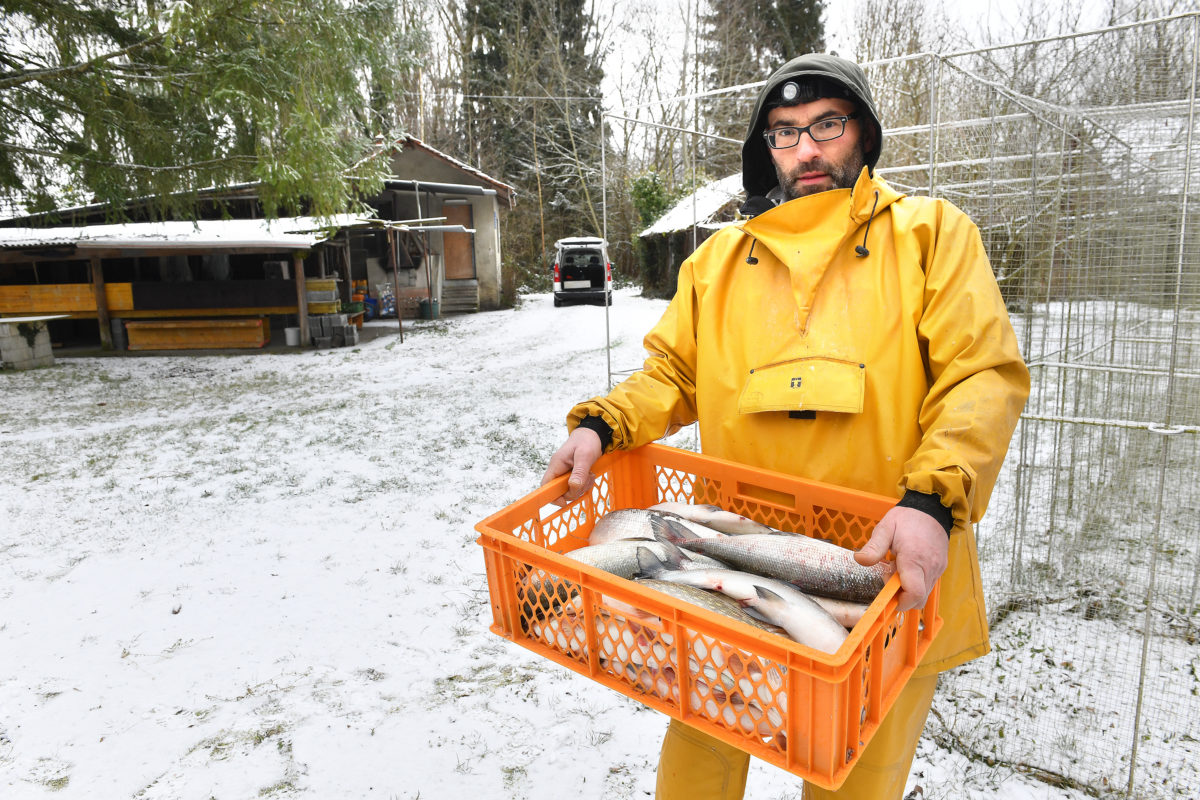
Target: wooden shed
x=694, y=218
x=434, y=244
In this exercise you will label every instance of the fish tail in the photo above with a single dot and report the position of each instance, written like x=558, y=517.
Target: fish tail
x=673, y=556
x=650, y=565
x=668, y=530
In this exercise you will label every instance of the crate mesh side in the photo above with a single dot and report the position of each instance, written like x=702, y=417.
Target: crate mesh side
x=841, y=527
x=737, y=690
x=638, y=653
x=549, y=611
x=683, y=487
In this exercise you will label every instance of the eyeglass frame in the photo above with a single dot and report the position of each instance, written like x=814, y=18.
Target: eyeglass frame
x=768, y=135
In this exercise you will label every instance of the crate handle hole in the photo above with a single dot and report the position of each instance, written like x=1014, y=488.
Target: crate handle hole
x=761, y=494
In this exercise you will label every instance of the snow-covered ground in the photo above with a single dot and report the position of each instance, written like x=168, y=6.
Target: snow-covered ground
x=255, y=575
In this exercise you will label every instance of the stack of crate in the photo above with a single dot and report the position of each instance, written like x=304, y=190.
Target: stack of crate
x=332, y=330
x=322, y=295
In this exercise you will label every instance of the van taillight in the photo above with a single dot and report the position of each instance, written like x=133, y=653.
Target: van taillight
x=608, y=272
x=557, y=277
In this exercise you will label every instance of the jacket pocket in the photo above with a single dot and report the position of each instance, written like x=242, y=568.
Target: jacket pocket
x=805, y=384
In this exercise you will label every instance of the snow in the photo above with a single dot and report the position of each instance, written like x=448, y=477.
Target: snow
x=255, y=575
x=698, y=208
x=295, y=233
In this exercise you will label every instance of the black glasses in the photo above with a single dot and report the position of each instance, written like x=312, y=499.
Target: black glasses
x=821, y=131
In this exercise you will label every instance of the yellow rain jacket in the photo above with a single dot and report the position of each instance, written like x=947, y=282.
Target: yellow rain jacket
x=906, y=355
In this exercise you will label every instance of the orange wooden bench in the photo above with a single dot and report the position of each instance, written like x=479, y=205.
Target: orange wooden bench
x=197, y=334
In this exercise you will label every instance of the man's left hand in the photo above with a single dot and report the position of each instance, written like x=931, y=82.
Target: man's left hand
x=921, y=548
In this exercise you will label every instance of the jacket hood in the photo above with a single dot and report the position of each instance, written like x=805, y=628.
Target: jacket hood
x=758, y=171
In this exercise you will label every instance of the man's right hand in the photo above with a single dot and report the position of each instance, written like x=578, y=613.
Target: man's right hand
x=576, y=456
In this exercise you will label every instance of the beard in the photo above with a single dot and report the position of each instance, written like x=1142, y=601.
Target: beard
x=843, y=175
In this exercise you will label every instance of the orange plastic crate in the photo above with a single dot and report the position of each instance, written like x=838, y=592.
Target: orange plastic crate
x=806, y=711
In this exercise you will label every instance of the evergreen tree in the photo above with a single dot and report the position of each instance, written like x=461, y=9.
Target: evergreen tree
x=532, y=116
x=107, y=100
x=743, y=42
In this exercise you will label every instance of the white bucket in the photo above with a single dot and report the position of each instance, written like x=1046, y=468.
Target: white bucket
x=292, y=335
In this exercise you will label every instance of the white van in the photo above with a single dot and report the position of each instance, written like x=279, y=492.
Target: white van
x=582, y=271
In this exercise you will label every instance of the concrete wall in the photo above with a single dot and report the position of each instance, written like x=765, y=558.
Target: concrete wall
x=485, y=209
x=25, y=345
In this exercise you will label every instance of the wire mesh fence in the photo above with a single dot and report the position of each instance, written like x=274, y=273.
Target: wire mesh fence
x=1079, y=159
x=1078, y=156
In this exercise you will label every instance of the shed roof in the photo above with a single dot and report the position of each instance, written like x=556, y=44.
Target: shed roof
x=507, y=193
x=291, y=233
x=699, y=208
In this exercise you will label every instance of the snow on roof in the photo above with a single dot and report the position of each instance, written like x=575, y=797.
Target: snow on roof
x=291, y=233
x=698, y=208
x=250, y=189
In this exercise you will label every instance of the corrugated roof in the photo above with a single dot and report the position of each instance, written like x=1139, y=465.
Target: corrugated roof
x=699, y=208
x=508, y=192
x=291, y=233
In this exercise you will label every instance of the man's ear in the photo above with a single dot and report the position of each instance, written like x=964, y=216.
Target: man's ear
x=866, y=139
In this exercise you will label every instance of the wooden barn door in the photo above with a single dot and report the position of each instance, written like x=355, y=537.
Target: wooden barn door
x=459, y=247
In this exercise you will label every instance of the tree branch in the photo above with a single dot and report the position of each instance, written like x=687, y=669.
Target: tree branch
x=123, y=165
x=9, y=81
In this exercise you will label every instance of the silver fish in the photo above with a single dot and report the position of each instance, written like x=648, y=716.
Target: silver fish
x=815, y=566
x=718, y=603
x=632, y=523
x=713, y=517
x=620, y=557
x=806, y=622
x=786, y=606
x=843, y=611
x=694, y=528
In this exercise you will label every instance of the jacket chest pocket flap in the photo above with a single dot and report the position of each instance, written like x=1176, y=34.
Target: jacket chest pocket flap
x=806, y=384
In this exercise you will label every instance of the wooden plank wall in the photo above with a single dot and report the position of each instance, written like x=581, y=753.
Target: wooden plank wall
x=79, y=300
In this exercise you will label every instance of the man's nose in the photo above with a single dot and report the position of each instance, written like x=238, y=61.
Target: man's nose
x=806, y=149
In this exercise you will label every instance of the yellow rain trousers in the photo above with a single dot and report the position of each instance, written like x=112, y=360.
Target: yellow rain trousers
x=695, y=765
x=883, y=372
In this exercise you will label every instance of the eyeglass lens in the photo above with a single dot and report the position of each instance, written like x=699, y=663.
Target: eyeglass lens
x=820, y=131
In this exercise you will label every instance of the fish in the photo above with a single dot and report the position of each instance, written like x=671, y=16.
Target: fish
x=694, y=528
x=804, y=620
x=844, y=611
x=814, y=566
x=620, y=557
x=713, y=517
x=543, y=594
x=632, y=523
x=717, y=603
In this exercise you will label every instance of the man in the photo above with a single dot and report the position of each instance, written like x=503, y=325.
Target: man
x=846, y=334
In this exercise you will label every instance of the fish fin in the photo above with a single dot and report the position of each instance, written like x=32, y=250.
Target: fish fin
x=766, y=594
x=666, y=529
x=649, y=565
x=754, y=612
x=681, y=531
x=674, y=556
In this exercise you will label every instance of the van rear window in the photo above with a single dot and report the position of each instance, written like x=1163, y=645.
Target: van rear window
x=573, y=257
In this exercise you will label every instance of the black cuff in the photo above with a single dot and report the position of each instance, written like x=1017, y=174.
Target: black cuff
x=602, y=429
x=931, y=504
